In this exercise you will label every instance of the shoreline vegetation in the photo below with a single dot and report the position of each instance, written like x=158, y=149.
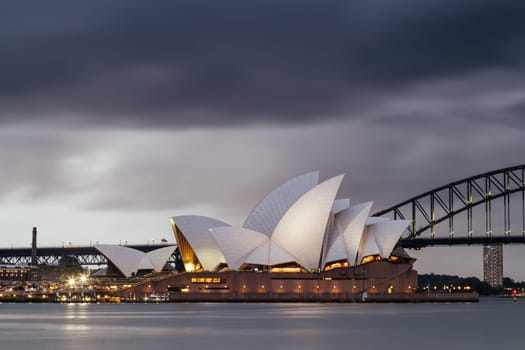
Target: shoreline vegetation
x=455, y=284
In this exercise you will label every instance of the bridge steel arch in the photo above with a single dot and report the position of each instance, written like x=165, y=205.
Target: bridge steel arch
x=460, y=197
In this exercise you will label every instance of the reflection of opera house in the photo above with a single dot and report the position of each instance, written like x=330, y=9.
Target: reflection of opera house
x=298, y=243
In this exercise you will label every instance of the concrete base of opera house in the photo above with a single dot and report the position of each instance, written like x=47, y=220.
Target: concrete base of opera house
x=378, y=281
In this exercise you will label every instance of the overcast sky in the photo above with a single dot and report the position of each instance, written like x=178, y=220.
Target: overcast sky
x=116, y=115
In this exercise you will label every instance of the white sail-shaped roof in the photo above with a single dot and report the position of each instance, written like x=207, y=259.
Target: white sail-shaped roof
x=269, y=253
x=350, y=224
x=261, y=254
x=196, y=230
x=125, y=259
x=301, y=229
x=368, y=246
x=333, y=241
x=129, y=260
x=145, y=263
x=237, y=243
x=336, y=251
x=159, y=257
x=386, y=234
x=266, y=215
x=279, y=255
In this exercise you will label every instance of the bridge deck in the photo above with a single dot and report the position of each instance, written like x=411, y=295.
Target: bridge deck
x=72, y=250
x=85, y=255
x=416, y=243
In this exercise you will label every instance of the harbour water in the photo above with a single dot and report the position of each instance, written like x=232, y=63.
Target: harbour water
x=489, y=324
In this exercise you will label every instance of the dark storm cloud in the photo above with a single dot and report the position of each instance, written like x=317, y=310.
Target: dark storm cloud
x=220, y=63
x=519, y=110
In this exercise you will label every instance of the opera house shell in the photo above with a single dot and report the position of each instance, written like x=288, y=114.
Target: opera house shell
x=300, y=239
x=298, y=225
x=130, y=262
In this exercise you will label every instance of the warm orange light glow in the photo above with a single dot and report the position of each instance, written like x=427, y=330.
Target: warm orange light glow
x=336, y=265
x=286, y=269
x=370, y=258
x=207, y=280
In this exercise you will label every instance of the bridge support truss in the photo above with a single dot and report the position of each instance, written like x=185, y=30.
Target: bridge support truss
x=86, y=256
x=458, y=199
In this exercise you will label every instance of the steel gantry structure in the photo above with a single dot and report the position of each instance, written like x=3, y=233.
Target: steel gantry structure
x=458, y=200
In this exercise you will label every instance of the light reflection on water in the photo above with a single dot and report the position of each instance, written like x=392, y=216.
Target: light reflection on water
x=485, y=325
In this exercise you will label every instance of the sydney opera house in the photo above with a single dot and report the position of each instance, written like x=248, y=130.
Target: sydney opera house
x=301, y=242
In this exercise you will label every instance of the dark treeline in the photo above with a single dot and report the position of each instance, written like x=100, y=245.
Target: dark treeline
x=454, y=284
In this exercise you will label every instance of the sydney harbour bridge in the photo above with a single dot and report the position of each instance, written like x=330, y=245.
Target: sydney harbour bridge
x=488, y=208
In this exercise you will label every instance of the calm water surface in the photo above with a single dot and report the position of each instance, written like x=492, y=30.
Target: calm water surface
x=490, y=324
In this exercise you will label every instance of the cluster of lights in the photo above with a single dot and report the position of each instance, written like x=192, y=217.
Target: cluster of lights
x=449, y=288
x=72, y=281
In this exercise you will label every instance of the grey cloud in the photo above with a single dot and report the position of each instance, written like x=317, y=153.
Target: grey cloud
x=33, y=163
x=126, y=112
x=519, y=110
x=196, y=64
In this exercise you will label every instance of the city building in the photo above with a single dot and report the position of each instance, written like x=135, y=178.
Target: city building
x=493, y=264
x=14, y=273
x=299, y=240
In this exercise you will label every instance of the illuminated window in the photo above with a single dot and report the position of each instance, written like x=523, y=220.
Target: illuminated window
x=370, y=258
x=208, y=280
x=287, y=269
x=336, y=265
